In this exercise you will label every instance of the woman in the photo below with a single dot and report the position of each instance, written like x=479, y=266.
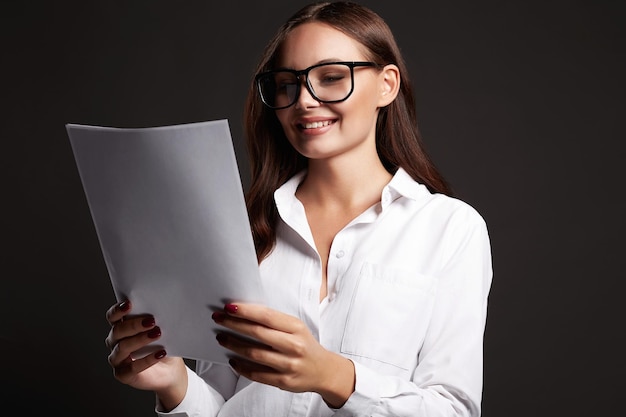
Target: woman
x=378, y=277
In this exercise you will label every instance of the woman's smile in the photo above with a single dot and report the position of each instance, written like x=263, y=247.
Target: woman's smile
x=309, y=126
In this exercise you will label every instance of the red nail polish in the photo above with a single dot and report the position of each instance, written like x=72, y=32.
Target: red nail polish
x=124, y=305
x=218, y=316
x=160, y=354
x=221, y=338
x=154, y=333
x=148, y=322
x=231, y=308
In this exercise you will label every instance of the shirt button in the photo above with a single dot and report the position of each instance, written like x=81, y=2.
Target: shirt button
x=340, y=254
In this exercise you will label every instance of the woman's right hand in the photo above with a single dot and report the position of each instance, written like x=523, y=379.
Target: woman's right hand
x=155, y=372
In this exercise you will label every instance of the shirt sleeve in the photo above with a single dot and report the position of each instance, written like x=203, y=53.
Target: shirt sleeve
x=201, y=399
x=449, y=376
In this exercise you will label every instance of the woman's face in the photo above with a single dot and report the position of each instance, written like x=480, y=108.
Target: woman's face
x=322, y=131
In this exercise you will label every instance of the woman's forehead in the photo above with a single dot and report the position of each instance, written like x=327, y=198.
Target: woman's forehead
x=312, y=43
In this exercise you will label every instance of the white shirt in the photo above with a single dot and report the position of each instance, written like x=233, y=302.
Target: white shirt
x=408, y=282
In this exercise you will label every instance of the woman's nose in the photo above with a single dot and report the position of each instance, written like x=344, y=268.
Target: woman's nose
x=305, y=98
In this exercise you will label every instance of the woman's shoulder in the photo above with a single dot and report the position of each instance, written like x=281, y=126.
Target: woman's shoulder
x=457, y=205
x=443, y=205
x=458, y=212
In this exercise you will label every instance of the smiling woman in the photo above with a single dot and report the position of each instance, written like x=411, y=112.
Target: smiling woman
x=378, y=277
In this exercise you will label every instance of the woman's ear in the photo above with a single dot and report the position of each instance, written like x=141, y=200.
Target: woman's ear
x=389, y=84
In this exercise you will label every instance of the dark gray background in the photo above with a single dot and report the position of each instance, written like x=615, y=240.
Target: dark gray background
x=521, y=105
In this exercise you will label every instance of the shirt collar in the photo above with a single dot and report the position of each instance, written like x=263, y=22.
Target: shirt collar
x=401, y=185
x=285, y=194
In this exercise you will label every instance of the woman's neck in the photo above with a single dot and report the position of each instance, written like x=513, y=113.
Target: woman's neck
x=345, y=184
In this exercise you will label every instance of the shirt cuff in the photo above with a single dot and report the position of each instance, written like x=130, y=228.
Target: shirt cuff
x=366, y=395
x=199, y=399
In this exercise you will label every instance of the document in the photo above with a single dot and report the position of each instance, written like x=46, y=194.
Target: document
x=168, y=208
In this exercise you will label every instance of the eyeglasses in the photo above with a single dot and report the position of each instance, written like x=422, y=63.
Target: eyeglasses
x=330, y=82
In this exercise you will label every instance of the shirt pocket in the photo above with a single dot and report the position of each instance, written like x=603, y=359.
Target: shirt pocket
x=389, y=315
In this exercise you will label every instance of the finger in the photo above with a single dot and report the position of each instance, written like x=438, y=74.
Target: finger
x=108, y=342
x=127, y=370
x=266, y=316
x=117, y=312
x=264, y=374
x=124, y=348
x=273, y=328
x=248, y=329
x=251, y=370
x=256, y=352
x=261, y=344
x=128, y=327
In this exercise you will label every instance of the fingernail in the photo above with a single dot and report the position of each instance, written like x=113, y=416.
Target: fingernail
x=160, y=354
x=148, y=322
x=124, y=305
x=154, y=333
x=218, y=316
x=231, y=308
x=221, y=338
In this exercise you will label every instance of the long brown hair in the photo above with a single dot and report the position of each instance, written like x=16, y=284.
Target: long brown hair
x=272, y=158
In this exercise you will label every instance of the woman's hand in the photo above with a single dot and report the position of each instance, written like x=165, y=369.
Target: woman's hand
x=154, y=372
x=278, y=349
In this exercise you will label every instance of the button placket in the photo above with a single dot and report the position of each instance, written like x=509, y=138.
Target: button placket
x=337, y=263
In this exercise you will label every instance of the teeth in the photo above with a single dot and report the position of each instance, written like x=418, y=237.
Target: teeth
x=315, y=125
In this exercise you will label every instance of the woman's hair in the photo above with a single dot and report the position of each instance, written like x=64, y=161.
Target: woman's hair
x=272, y=158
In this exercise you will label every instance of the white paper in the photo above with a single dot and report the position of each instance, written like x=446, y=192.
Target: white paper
x=168, y=208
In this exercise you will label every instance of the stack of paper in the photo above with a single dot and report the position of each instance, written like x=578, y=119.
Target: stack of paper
x=168, y=207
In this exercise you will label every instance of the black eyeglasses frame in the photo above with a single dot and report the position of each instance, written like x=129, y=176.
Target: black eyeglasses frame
x=305, y=72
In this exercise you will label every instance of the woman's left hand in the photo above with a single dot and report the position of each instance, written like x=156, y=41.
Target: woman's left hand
x=278, y=349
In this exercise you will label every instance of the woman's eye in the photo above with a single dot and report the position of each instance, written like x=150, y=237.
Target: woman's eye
x=330, y=78
x=287, y=85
